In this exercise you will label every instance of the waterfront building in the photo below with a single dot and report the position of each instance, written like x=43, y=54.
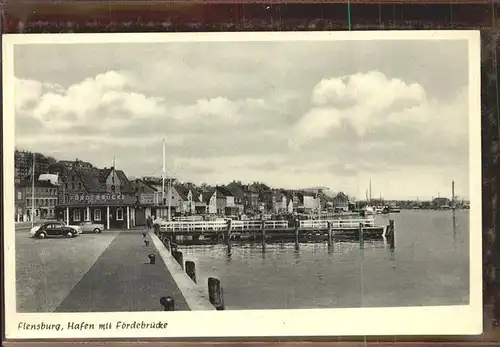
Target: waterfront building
x=181, y=199
x=45, y=200
x=20, y=203
x=98, y=195
x=146, y=201
x=251, y=202
x=227, y=201
x=209, y=197
x=441, y=203
x=341, y=201
x=237, y=190
x=160, y=210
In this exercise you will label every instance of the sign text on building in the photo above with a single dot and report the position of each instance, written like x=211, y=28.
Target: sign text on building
x=97, y=197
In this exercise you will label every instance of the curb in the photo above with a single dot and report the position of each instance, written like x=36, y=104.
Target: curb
x=195, y=298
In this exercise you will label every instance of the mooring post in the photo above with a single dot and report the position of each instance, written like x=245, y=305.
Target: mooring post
x=215, y=293
x=191, y=269
x=227, y=234
x=263, y=228
x=391, y=234
x=296, y=225
x=361, y=236
x=330, y=232
x=152, y=258
x=179, y=257
x=168, y=303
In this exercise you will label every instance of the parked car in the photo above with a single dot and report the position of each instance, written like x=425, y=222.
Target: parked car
x=54, y=229
x=91, y=227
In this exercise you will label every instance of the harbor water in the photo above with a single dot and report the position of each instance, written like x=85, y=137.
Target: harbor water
x=429, y=266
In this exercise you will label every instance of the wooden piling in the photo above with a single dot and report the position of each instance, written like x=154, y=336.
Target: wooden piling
x=361, y=236
x=390, y=234
x=191, y=270
x=178, y=256
x=330, y=234
x=227, y=234
x=215, y=293
x=263, y=229
x=297, y=223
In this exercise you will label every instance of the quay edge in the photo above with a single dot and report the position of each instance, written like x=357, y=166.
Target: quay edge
x=196, y=298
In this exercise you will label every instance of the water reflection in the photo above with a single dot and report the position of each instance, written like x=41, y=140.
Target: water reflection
x=313, y=277
x=454, y=227
x=228, y=253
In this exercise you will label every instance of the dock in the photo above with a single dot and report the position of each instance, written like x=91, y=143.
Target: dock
x=213, y=232
x=123, y=279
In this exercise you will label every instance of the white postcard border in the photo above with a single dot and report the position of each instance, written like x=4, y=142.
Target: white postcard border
x=436, y=320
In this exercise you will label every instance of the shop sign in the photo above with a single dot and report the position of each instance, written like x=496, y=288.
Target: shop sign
x=96, y=198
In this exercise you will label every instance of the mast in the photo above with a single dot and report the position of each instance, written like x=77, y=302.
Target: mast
x=453, y=194
x=169, y=198
x=319, y=204
x=33, y=192
x=370, y=191
x=163, y=176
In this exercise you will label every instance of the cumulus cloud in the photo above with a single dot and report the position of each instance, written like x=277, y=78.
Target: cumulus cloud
x=235, y=114
x=368, y=102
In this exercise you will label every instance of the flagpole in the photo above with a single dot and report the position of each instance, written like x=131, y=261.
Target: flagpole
x=33, y=192
x=163, y=176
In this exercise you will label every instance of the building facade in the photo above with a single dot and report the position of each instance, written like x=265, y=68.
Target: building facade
x=104, y=196
x=44, y=204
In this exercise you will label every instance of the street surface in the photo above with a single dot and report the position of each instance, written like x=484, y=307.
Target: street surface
x=105, y=272
x=123, y=280
x=47, y=270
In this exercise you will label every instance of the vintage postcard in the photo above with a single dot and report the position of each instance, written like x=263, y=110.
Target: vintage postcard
x=242, y=184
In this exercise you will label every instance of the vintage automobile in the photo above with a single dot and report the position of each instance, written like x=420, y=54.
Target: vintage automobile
x=91, y=227
x=54, y=229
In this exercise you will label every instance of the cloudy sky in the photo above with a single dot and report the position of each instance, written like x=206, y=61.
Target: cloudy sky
x=290, y=114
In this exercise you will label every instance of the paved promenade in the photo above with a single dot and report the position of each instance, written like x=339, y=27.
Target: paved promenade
x=47, y=270
x=123, y=280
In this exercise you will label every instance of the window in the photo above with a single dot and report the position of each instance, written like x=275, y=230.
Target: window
x=76, y=215
x=72, y=186
x=142, y=189
x=119, y=214
x=66, y=198
x=97, y=214
x=79, y=186
x=85, y=215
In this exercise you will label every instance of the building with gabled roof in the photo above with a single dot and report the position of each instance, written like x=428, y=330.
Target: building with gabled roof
x=103, y=196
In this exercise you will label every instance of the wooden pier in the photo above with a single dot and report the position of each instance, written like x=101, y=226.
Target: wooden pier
x=213, y=232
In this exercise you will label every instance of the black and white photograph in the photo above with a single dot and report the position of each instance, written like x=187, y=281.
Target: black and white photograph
x=289, y=184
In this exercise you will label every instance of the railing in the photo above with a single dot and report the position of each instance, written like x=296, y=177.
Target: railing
x=189, y=219
x=257, y=224
x=193, y=226
x=239, y=225
x=337, y=223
